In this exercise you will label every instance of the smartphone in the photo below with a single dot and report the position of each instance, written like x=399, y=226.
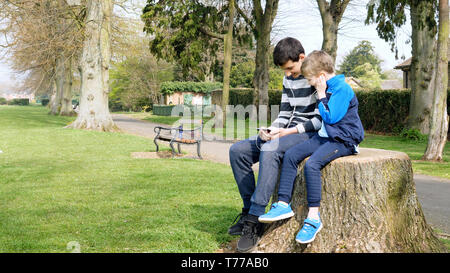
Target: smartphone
x=267, y=130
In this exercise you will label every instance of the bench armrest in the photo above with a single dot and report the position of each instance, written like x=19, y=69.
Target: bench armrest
x=159, y=128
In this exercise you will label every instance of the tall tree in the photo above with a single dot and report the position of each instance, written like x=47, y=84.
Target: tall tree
x=390, y=15
x=361, y=54
x=228, y=51
x=331, y=13
x=439, y=118
x=184, y=31
x=261, y=24
x=28, y=25
x=94, y=69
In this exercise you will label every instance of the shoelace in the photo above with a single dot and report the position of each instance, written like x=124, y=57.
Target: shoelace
x=249, y=231
x=275, y=205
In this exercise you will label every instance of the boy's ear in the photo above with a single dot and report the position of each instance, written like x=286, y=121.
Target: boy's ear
x=301, y=56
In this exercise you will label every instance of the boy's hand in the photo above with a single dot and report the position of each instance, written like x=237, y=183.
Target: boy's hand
x=276, y=134
x=283, y=132
x=321, y=86
x=274, y=130
x=264, y=135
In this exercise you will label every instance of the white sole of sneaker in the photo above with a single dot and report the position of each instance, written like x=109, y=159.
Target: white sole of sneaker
x=278, y=218
x=312, y=239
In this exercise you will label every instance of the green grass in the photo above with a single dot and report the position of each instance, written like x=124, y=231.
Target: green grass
x=446, y=243
x=62, y=185
x=415, y=150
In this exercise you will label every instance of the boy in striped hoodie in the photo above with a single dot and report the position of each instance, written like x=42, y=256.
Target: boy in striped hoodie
x=339, y=136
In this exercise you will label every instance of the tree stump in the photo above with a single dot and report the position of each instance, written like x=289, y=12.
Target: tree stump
x=369, y=204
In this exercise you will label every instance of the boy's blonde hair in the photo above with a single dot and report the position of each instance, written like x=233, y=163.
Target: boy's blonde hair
x=316, y=62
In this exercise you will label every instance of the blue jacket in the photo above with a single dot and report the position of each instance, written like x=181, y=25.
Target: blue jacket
x=339, y=111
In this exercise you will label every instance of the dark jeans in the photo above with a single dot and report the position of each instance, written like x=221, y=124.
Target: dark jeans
x=247, y=152
x=322, y=151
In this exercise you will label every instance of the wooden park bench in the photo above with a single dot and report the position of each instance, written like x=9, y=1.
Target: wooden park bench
x=188, y=132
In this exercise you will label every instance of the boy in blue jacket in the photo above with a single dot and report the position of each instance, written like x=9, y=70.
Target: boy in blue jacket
x=339, y=136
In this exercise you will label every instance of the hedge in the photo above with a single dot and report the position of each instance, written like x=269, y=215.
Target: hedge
x=386, y=110
x=383, y=111
x=22, y=102
x=162, y=110
x=196, y=87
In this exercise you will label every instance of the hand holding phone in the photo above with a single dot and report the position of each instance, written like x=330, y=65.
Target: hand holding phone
x=264, y=133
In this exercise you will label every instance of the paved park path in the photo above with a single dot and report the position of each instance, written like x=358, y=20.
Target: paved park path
x=433, y=192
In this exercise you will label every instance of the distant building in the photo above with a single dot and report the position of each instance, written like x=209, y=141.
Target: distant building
x=188, y=98
x=406, y=68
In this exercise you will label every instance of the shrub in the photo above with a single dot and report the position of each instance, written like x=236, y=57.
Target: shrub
x=22, y=102
x=196, y=87
x=385, y=111
x=3, y=101
x=412, y=135
x=44, y=102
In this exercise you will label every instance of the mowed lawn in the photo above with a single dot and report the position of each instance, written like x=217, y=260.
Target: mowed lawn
x=62, y=185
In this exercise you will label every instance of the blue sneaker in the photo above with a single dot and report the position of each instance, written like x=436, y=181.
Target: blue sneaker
x=309, y=231
x=279, y=211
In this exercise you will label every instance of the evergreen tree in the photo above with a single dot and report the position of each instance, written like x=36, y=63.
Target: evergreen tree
x=363, y=53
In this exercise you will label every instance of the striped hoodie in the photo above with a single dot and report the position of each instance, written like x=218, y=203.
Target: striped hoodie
x=298, y=107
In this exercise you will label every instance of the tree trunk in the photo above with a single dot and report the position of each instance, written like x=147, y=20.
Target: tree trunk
x=439, y=118
x=59, y=85
x=66, y=98
x=369, y=204
x=94, y=69
x=263, y=27
x=228, y=47
x=423, y=50
x=55, y=103
x=331, y=14
x=55, y=99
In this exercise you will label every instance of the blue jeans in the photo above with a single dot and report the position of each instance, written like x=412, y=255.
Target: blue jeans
x=322, y=151
x=245, y=153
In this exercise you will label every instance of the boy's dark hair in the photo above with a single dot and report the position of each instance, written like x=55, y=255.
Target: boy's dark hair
x=287, y=49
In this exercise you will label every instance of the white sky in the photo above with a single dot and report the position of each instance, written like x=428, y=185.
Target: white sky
x=301, y=19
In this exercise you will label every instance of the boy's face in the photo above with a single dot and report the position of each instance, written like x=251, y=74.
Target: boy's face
x=293, y=69
x=313, y=80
